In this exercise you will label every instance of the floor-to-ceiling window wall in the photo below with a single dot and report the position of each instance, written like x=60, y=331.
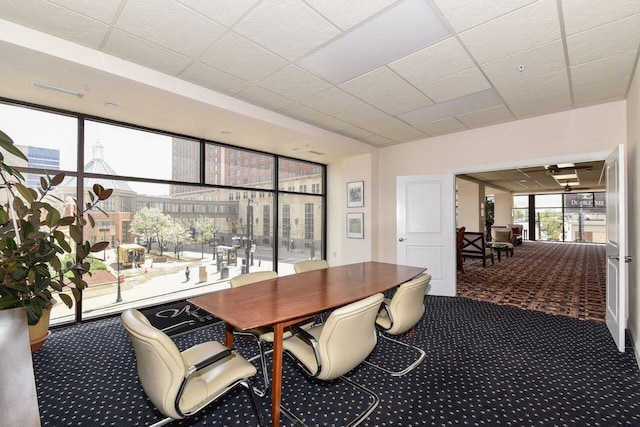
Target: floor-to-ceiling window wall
x=178, y=203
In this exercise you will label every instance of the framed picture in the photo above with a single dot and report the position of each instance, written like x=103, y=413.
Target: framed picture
x=355, y=194
x=355, y=225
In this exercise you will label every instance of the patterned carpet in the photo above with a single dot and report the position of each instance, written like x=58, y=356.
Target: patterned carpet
x=556, y=278
x=486, y=365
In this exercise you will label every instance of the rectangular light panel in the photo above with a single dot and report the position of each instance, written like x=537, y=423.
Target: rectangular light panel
x=401, y=30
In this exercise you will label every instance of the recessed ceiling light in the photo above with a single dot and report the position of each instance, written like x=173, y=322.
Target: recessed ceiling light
x=565, y=165
x=225, y=132
x=111, y=104
x=317, y=153
x=403, y=29
x=52, y=88
x=565, y=176
x=521, y=68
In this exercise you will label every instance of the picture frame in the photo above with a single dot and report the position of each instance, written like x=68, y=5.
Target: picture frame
x=355, y=194
x=355, y=225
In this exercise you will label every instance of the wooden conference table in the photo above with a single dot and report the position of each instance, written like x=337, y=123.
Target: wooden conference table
x=287, y=300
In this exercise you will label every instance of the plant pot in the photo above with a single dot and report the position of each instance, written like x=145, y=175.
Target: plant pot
x=40, y=332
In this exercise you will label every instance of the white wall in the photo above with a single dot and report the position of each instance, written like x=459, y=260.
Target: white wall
x=469, y=205
x=587, y=130
x=633, y=163
x=341, y=250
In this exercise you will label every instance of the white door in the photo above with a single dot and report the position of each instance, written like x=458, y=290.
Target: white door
x=616, y=294
x=425, y=228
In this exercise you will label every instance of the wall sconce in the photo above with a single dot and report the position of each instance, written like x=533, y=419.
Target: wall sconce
x=481, y=209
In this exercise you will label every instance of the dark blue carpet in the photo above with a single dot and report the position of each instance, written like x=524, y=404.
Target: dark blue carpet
x=486, y=365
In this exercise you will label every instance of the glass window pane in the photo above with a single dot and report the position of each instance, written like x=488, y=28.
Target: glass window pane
x=298, y=176
x=118, y=150
x=48, y=140
x=585, y=217
x=300, y=233
x=231, y=166
x=549, y=224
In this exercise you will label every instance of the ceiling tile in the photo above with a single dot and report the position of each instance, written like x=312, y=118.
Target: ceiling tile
x=356, y=132
x=442, y=126
x=294, y=83
x=289, y=28
x=384, y=125
x=581, y=15
x=457, y=85
x=331, y=123
x=135, y=49
x=604, y=89
x=463, y=15
x=264, y=98
x=55, y=20
x=404, y=134
x=345, y=15
x=486, y=117
x=225, y=12
x=155, y=20
x=378, y=140
x=604, y=69
x=239, y=57
x=375, y=85
x=530, y=26
x=302, y=112
x=606, y=40
x=542, y=105
x=434, y=62
x=538, y=86
x=332, y=101
x=537, y=61
x=103, y=10
x=211, y=78
x=401, y=102
x=361, y=115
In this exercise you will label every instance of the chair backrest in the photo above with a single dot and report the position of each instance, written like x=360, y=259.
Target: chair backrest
x=310, y=265
x=348, y=336
x=407, y=305
x=473, y=244
x=501, y=234
x=247, y=279
x=161, y=367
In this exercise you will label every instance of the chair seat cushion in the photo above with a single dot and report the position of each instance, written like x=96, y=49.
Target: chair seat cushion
x=216, y=376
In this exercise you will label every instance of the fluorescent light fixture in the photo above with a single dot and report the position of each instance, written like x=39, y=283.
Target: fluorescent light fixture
x=401, y=30
x=46, y=86
x=465, y=104
x=565, y=176
x=565, y=165
x=573, y=183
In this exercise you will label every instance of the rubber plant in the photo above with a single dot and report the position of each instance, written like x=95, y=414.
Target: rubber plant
x=34, y=236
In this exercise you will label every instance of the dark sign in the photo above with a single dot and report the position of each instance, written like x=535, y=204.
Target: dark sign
x=584, y=200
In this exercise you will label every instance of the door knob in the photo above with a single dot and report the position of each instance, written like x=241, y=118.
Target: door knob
x=402, y=239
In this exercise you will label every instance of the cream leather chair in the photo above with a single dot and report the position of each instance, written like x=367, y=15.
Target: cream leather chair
x=310, y=265
x=400, y=314
x=259, y=334
x=181, y=383
x=340, y=344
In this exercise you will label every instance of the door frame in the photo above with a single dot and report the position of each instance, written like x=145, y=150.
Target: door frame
x=579, y=158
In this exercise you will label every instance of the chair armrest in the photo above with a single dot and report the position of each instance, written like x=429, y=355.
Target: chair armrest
x=194, y=368
x=309, y=339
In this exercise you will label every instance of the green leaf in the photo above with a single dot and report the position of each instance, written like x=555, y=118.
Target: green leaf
x=7, y=144
x=4, y=216
x=100, y=246
x=53, y=217
x=43, y=183
x=62, y=240
x=57, y=179
x=26, y=192
x=66, y=220
x=76, y=233
x=91, y=220
x=66, y=299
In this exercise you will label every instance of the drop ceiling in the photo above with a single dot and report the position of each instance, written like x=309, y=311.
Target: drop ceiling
x=576, y=177
x=319, y=76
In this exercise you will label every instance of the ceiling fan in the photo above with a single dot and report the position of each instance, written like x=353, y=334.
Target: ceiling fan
x=561, y=168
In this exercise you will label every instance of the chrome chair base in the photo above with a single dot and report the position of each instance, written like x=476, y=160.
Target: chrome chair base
x=356, y=421
x=411, y=367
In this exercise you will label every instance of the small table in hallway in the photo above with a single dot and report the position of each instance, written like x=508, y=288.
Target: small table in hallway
x=502, y=247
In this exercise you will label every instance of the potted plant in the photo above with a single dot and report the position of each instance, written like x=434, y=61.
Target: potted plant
x=34, y=236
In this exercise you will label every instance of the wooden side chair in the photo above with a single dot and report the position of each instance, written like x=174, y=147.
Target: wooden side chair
x=474, y=246
x=459, y=244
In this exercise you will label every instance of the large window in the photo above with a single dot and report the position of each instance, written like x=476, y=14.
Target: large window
x=178, y=202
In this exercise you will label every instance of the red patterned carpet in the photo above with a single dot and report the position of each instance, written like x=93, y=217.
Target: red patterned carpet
x=557, y=278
